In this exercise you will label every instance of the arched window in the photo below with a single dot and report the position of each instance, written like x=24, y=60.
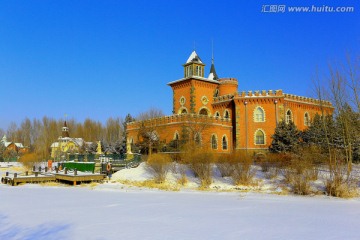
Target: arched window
x=176, y=140
x=204, y=111
x=183, y=111
x=176, y=136
x=216, y=93
x=226, y=114
x=288, y=116
x=224, y=143
x=217, y=114
x=213, y=141
x=197, y=138
x=259, y=137
x=306, y=119
x=259, y=115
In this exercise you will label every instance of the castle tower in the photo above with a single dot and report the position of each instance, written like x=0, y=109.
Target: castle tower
x=65, y=131
x=194, y=66
x=194, y=93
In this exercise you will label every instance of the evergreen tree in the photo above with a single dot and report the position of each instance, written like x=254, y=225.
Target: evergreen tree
x=128, y=119
x=286, y=138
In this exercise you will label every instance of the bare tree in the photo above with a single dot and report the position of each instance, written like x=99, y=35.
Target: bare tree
x=150, y=114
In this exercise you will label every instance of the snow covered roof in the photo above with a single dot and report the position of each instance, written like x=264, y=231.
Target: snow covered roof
x=19, y=145
x=194, y=77
x=194, y=58
x=79, y=141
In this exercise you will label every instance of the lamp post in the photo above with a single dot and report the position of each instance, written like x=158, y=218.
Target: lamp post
x=246, y=127
x=276, y=114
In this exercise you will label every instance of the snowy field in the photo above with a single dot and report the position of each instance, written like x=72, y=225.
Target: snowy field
x=116, y=211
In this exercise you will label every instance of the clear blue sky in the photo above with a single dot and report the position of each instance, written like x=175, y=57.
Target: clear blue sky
x=103, y=59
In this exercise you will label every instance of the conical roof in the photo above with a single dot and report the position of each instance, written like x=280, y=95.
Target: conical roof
x=194, y=58
x=212, y=74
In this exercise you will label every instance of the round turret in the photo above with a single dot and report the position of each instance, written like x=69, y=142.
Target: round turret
x=228, y=86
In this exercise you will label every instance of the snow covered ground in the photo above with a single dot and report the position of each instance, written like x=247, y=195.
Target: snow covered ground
x=117, y=211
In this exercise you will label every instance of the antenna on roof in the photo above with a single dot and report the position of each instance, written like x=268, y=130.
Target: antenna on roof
x=212, y=50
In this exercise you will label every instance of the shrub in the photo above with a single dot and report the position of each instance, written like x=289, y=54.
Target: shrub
x=200, y=161
x=339, y=183
x=28, y=160
x=182, y=170
x=179, y=168
x=298, y=172
x=242, y=172
x=225, y=166
x=159, y=166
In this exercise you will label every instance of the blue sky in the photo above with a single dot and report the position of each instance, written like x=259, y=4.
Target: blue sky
x=102, y=59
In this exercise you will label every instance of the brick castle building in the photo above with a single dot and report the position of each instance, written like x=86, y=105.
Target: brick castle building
x=214, y=112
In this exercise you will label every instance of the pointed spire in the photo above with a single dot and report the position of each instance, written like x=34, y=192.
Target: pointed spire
x=65, y=130
x=212, y=74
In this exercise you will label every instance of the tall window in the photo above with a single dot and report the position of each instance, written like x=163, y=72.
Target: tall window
x=259, y=115
x=176, y=140
x=288, y=116
x=226, y=114
x=217, y=114
x=259, y=137
x=197, y=138
x=224, y=143
x=213, y=142
x=306, y=119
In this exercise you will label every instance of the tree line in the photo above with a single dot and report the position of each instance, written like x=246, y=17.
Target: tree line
x=39, y=134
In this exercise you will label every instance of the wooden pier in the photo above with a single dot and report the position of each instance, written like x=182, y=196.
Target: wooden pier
x=73, y=177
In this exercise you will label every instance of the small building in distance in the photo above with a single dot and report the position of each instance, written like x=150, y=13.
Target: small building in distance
x=67, y=145
x=212, y=112
x=17, y=148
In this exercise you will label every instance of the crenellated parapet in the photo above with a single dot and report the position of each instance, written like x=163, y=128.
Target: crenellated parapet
x=291, y=97
x=180, y=118
x=228, y=81
x=262, y=93
x=228, y=86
